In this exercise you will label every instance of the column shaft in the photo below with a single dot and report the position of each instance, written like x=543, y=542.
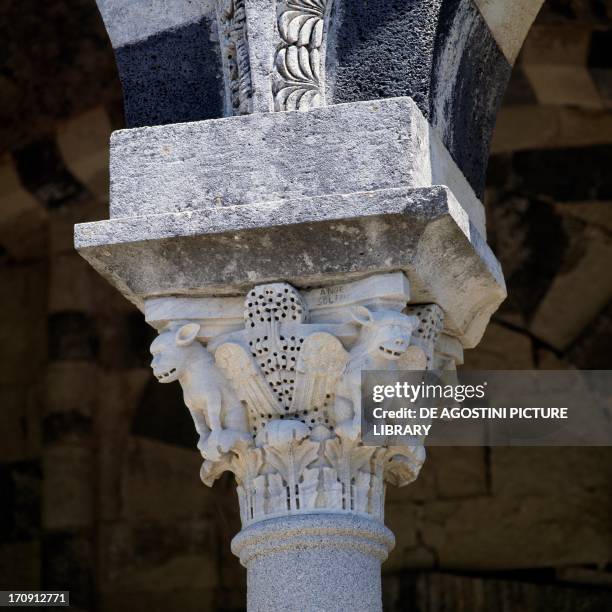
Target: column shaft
x=314, y=563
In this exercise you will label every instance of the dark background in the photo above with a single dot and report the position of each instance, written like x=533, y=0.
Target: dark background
x=99, y=487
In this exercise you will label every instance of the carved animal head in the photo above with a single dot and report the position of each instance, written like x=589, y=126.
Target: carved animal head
x=386, y=333
x=174, y=350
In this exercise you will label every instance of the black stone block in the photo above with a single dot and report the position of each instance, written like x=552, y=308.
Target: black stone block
x=172, y=77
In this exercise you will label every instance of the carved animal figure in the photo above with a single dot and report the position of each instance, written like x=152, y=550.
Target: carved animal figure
x=219, y=417
x=383, y=344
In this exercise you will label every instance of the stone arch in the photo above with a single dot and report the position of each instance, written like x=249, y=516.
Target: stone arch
x=168, y=59
x=453, y=57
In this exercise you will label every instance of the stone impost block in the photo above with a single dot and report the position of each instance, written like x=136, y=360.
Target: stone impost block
x=309, y=241
x=266, y=157
x=315, y=198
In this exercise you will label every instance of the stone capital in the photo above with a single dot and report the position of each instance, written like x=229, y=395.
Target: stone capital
x=274, y=388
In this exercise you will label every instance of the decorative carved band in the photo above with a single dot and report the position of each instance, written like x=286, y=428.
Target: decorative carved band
x=299, y=68
x=278, y=402
x=235, y=54
x=286, y=54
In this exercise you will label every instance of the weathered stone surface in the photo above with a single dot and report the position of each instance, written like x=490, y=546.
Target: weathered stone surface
x=22, y=322
x=423, y=232
x=501, y=348
x=470, y=75
x=443, y=54
x=158, y=557
x=340, y=554
x=347, y=148
x=547, y=127
x=558, y=321
x=169, y=475
x=174, y=44
x=20, y=435
x=509, y=22
x=68, y=486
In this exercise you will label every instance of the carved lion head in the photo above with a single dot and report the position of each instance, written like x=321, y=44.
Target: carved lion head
x=173, y=350
x=387, y=332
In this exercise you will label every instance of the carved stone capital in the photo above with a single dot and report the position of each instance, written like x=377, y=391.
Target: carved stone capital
x=275, y=395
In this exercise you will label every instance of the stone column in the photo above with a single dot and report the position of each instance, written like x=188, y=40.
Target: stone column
x=279, y=255
x=314, y=562
x=273, y=384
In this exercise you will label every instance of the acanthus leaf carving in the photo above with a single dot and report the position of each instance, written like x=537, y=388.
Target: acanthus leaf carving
x=298, y=82
x=293, y=40
x=278, y=402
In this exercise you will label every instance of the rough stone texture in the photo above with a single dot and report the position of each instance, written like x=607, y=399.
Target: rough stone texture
x=373, y=57
x=340, y=554
x=509, y=22
x=130, y=21
x=20, y=426
x=168, y=59
x=154, y=470
x=371, y=53
x=267, y=157
x=471, y=74
x=22, y=322
x=501, y=348
x=186, y=61
x=425, y=233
